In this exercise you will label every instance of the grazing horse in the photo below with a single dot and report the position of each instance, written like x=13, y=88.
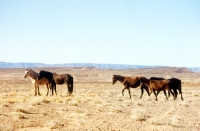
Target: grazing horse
x=175, y=84
x=58, y=79
x=157, y=85
x=128, y=82
x=33, y=75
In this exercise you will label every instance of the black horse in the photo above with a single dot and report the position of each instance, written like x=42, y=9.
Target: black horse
x=54, y=79
x=175, y=84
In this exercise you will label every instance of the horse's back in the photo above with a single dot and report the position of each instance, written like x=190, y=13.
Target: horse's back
x=62, y=78
x=175, y=83
x=159, y=84
x=132, y=81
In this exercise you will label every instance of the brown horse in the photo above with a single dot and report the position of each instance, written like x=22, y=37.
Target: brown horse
x=128, y=82
x=157, y=85
x=55, y=78
x=175, y=84
x=33, y=75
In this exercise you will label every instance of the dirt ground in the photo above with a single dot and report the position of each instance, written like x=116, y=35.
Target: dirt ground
x=96, y=104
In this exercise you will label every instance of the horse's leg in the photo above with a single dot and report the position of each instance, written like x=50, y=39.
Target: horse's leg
x=165, y=94
x=147, y=89
x=68, y=93
x=180, y=92
x=35, y=89
x=168, y=94
x=47, y=85
x=55, y=89
x=155, y=94
x=172, y=94
x=129, y=92
x=150, y=91
x=123, y=91
x=175, y=93
x=52, y=86
x=142, y=91
x=38, y=90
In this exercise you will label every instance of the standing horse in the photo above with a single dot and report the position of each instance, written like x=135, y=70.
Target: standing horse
x=128, y=82
x=58, y=79
x=34, y=75
x=157, y=85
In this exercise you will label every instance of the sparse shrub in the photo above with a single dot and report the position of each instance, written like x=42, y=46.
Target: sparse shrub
x=36, y=100
x=176, y=122
x=184, y=103
x=52, y=124
x=24, y=108
x=138, y=114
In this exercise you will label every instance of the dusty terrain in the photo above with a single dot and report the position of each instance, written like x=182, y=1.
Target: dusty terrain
x=96, y=104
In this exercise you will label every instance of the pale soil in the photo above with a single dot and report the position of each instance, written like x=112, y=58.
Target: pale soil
x=96, y=104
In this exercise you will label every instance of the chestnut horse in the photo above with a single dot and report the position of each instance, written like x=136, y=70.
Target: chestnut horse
x=128, y=82
x=175, y=84
x=33, y=75
x=157, y=85
x=55, y=78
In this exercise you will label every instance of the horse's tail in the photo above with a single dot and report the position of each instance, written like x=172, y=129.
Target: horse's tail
x=70, y=87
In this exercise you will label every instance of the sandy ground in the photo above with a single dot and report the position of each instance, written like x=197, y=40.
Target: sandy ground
x=96, y=104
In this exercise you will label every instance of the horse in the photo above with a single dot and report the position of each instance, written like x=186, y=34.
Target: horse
x=175, y=84
x=160, y=78
x=55, y=78
x=128, y=82
x=157, y=85
x=33, y=75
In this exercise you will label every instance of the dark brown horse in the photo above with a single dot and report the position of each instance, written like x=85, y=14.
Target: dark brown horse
x=128, y=82
x=157, y=85
x=54, y=79
x=176, y=85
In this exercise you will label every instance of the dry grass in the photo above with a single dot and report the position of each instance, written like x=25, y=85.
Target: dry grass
x=96, y=104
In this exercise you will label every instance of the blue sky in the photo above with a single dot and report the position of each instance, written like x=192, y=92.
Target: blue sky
x=134, y=32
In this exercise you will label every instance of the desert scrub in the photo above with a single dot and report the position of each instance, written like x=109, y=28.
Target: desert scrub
x=36, y=100
x=138, y=114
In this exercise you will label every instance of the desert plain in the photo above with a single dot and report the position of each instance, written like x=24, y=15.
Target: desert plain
x=96, y=104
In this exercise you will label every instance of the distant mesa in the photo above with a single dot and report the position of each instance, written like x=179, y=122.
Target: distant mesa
x=91, y=66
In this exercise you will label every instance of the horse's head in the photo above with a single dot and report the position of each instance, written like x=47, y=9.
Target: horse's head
x=26, y=72
x=41, y=74
x=114, y=79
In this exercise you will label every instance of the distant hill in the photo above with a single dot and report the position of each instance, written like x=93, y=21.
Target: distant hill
x=99, y=66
